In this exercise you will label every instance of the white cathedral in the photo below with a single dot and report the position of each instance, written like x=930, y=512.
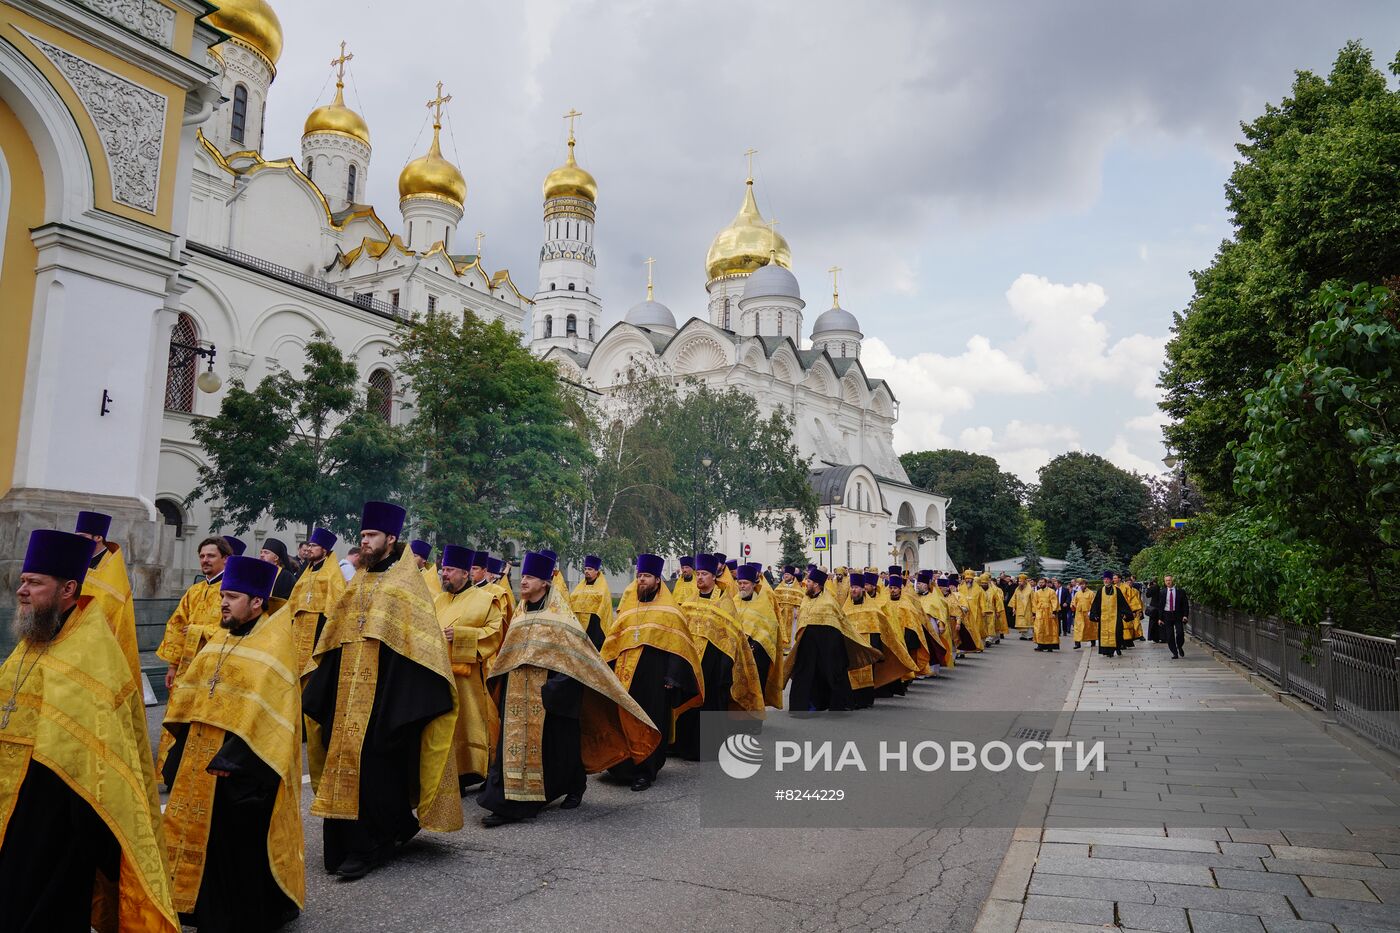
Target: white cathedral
x=141, y=122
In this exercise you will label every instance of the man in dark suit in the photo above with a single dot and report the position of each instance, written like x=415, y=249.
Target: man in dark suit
x=1062, y=598
x=1173, y=607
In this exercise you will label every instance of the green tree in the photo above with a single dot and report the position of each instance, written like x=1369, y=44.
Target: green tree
x=1098, y=562
x=1083, y=497
x=1322, y=459
x=1076, y=565
x=793, y=544
x=499, y=439
x=986, y=502
x=1030, y=559
x=304, y=451
x=1314, y=198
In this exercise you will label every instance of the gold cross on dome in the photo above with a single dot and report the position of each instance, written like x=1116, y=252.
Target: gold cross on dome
x=649, y=263
x=772, y=226
x=479, y=237
x=435, y=105
x=339, y=63
x=749, y=154
x=571, y=116
x=835, y=292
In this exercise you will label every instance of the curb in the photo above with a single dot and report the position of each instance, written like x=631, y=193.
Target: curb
x=1001, y=911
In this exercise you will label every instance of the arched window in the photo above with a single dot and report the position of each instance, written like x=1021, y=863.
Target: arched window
x=350, y=178
x=571, y=326
x=381, y=394
x=780, y=321
x=170, y=513
x=240, y=113
x=183, y=366
x=590, y=328
x=549, y=325
x=571, y=286
x=310, y=165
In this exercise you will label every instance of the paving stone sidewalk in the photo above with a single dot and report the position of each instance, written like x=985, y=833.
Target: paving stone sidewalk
x=1189, y=828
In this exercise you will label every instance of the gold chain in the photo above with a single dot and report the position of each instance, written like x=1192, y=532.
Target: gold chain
x=224, y=651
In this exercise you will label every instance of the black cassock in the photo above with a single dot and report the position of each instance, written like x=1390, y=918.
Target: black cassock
x=595, y=630
x=864, y=697
x=55, y=844
x=407, y=696
x=819, y=672
x=718, y=670
x=661, y=682
x=562, y=698
x=1125, y=615
x=237, y=892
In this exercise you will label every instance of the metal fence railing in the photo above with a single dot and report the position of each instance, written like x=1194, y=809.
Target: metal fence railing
x=1352, y=676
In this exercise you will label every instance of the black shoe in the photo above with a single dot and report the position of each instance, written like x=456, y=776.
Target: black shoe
x=405, y=837
x=1076, y=646
x=497, y=819
x=353, y=869
x=641, y=783
x=572, y=801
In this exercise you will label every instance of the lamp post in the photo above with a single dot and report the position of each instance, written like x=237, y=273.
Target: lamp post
x=705, y=460
x=207, y=381
x=830, y=521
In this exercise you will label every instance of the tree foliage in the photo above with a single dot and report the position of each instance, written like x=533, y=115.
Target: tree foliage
x=1314, y=198
x=793, y=544
x=986, y=502
x=1083, y=497
x=1076, y=565
x=498, y=440
x=1030, y=559
x=304, y=451
x=1322, y=459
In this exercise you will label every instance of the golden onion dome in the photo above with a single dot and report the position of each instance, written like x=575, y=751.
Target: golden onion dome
x=570, y=181
x=747, y=243
x=253, y=22
x=432, y=176
x=335, y=117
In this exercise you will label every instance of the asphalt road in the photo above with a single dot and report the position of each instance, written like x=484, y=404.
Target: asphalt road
x=629, y=861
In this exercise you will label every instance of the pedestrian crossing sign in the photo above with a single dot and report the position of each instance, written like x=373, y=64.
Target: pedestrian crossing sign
x=819, y=543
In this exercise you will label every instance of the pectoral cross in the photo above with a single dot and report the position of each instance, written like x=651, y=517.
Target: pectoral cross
x=749, y=154
x=213, y=682
x=339, y=63
x=8, y=708
x=435, y=105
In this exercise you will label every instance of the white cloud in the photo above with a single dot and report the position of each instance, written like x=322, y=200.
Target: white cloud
x=1022, y=447
x=1120, y=454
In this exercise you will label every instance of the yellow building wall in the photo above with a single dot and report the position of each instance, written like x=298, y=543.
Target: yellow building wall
x=26, y=211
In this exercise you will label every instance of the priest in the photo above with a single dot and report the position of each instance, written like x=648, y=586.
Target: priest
x=592, y=601
x=760, y=625
x=471, y=617
x=1113, y=615
x=232, y=827
x=789, y=594
x=80, y=840
x=422, y=558
x=197, y=614
x=274, y=551
x=684, y=587
x=564, y=714
x=654, y=658
x=726, y=660
x=497, y=579
x=825, y=648
x=1022, y=612
x=1045, y=608
x=109, y=586
x=382, y=692
x=1085, y=628
x=317, y=589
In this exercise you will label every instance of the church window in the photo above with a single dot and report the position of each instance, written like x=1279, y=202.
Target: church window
x=309, y=166
x=549, y=325
x=571, y=326
x=381, y=393
x=171, y=515
x=394, y=297
x=350, y=178
x=183, y=366
x=240, y=113
x=590, y=329
x=410, y=231
x=780, y=322
x=571, y=286
x=432, y=303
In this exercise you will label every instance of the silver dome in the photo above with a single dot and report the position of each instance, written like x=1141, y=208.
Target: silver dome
x=770, y=281
x=650, y=314
x=835, y=318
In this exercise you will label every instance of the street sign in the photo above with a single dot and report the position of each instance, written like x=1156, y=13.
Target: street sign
x=819, y=543
x=748, y=549
x=1180, y=522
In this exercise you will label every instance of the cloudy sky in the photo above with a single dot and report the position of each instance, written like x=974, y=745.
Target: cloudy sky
x=1017, y=192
